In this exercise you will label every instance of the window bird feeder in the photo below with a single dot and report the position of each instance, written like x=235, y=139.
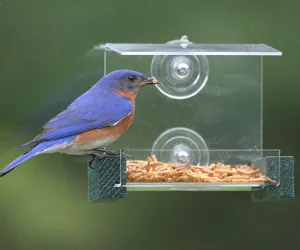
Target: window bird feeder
x=210, y=108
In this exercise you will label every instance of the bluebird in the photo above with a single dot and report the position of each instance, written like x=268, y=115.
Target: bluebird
x=90, y=123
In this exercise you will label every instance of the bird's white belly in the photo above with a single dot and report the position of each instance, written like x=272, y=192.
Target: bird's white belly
x=78, y=149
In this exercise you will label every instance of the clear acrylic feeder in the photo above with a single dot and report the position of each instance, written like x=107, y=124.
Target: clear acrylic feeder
x=204, y=122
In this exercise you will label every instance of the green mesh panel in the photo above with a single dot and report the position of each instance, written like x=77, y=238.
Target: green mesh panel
x=286, y=188
x=103, y=177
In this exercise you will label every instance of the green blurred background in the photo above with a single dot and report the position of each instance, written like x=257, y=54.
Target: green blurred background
x=43, y=46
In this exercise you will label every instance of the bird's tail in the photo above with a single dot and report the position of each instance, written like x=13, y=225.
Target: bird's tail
x=24, y=157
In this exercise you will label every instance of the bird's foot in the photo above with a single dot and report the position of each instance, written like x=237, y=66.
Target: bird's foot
x=103, y=152
x=95, y=156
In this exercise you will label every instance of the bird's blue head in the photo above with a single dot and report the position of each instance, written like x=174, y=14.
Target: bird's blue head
x=126, y=81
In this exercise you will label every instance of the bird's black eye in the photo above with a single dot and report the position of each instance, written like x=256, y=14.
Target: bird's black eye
x=131, y=78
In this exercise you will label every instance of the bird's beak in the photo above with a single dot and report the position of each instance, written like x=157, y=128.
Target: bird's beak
x=149, y=81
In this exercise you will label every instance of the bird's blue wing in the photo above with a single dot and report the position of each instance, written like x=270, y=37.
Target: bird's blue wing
x=85, y=115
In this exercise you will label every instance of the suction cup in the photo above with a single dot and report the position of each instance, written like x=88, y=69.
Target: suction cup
x=180, y=76
x=182, y=146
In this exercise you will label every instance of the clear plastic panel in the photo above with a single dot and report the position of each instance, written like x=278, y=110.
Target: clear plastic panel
x=227, y=170
x=226, y=113
x=194, y=49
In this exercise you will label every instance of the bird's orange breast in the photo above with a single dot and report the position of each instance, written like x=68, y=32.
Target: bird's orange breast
x=109, y=132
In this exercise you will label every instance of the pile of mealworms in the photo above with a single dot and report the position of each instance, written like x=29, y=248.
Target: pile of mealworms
x=153, y=170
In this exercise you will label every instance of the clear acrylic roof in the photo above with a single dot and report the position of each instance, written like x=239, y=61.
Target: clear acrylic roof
x=194, y=49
